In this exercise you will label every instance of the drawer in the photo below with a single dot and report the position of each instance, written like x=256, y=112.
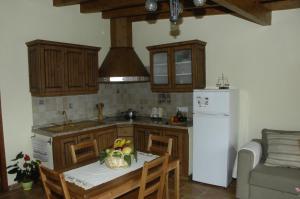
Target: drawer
x=85, y=137
x=125, y=131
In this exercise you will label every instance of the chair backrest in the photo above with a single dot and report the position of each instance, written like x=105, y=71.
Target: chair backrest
x=84, y=151
x=153, y=177
x=159, y=144
x=54, y=184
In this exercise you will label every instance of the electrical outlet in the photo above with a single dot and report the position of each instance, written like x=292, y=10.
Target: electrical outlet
x=41, y=102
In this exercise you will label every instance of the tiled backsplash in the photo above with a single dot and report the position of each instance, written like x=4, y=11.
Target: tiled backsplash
x=49, y=109
x=138, y=96
x=116, y=98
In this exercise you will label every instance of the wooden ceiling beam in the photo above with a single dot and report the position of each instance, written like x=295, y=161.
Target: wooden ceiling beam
x=68, y=2
x=101, y=5
x=251, y=10
x=186, y=13
x=282, y=5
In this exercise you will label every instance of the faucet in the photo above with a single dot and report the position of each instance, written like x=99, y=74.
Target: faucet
x=66, y=119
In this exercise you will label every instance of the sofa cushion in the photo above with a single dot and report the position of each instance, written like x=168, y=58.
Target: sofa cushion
x=264, y=141
x=277, y=178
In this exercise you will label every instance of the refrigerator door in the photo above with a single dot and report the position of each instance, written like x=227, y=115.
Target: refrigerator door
x=211, y=101
x=210, y=149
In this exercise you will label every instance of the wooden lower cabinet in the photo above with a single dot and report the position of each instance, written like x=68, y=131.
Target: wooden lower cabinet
x=141, y=136
x=61, y=151
x=61, y=145
x=180, y=148
x=85, y=137
x=126, y=132
x=105, y=138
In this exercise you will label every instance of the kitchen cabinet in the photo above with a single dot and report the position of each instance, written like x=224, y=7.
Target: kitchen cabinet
x=126, y=132
x=85, y=137
x=141, y=136
x=177, y=67
x=180, y=146
x=62, y=69
x=105, y=138
x=61, y=144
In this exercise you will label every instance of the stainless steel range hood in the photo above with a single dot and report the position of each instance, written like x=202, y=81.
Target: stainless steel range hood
x=122, y=64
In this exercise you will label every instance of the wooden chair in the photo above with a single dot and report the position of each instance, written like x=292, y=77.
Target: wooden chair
x=159, y=144
x=153, y=177
x=163, y=145
x=54, y=184
x=84, y=151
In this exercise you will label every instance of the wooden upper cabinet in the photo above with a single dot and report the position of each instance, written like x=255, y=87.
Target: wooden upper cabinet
x=91, y=70
x=74, y=69
x=177, y=67
x=62, y=69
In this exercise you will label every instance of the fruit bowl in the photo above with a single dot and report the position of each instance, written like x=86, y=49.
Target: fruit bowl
x=120, y=156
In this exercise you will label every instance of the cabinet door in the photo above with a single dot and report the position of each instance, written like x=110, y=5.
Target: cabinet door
x=183, y=66
x=176, y=144
x=105, y=138
x=65, y=144
x=91, y=62
x=34, y=69
x=141, y=136
x=52, y=73
x=180, y=148
x=160, y=69
x=75, y=69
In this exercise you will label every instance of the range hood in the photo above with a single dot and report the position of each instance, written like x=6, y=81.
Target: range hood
x=122, y=64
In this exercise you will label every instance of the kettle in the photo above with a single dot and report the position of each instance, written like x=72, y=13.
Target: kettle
x=129, y=114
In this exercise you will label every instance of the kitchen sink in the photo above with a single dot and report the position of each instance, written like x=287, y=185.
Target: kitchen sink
x=75, y=126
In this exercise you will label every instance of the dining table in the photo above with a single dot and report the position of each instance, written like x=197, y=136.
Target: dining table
x=97, y=181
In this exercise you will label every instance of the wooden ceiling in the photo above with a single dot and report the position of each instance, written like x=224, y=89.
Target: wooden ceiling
x=257, y=11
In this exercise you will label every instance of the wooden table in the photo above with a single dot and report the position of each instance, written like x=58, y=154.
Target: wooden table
x=125, y=187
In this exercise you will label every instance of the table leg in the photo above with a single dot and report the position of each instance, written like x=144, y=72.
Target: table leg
x=177, y=181
x=167, y=186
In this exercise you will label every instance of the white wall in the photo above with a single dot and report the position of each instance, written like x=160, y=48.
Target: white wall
x=22, y=21
x=263, y=62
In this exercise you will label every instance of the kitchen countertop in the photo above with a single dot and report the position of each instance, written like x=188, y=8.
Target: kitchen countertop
x=111, y=121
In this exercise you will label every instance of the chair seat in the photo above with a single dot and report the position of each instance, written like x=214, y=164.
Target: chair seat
x=277, y=178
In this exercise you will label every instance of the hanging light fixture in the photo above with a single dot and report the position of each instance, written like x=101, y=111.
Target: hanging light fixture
x=199, y=3
x=151, y=5
x=174, y=10
x=175, y=7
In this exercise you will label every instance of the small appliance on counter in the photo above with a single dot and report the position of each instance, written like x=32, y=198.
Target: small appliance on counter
x=157, y=113
x=130, y=114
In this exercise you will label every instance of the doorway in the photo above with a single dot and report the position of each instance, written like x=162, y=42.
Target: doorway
x=3, y=174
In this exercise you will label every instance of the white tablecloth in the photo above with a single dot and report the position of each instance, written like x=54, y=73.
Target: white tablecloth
x=96, y=174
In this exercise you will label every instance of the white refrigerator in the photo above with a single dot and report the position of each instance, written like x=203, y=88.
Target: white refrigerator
x=215, y=126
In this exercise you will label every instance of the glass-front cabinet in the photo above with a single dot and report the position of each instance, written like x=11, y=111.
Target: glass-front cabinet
x=183, y=66
x=177, y=67
x=160, y=68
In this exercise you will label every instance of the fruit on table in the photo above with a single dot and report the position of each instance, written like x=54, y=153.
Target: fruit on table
x=127, y=150
x=120, y=142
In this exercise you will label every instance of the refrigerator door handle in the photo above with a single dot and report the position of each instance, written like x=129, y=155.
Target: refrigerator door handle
x=212, y=114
